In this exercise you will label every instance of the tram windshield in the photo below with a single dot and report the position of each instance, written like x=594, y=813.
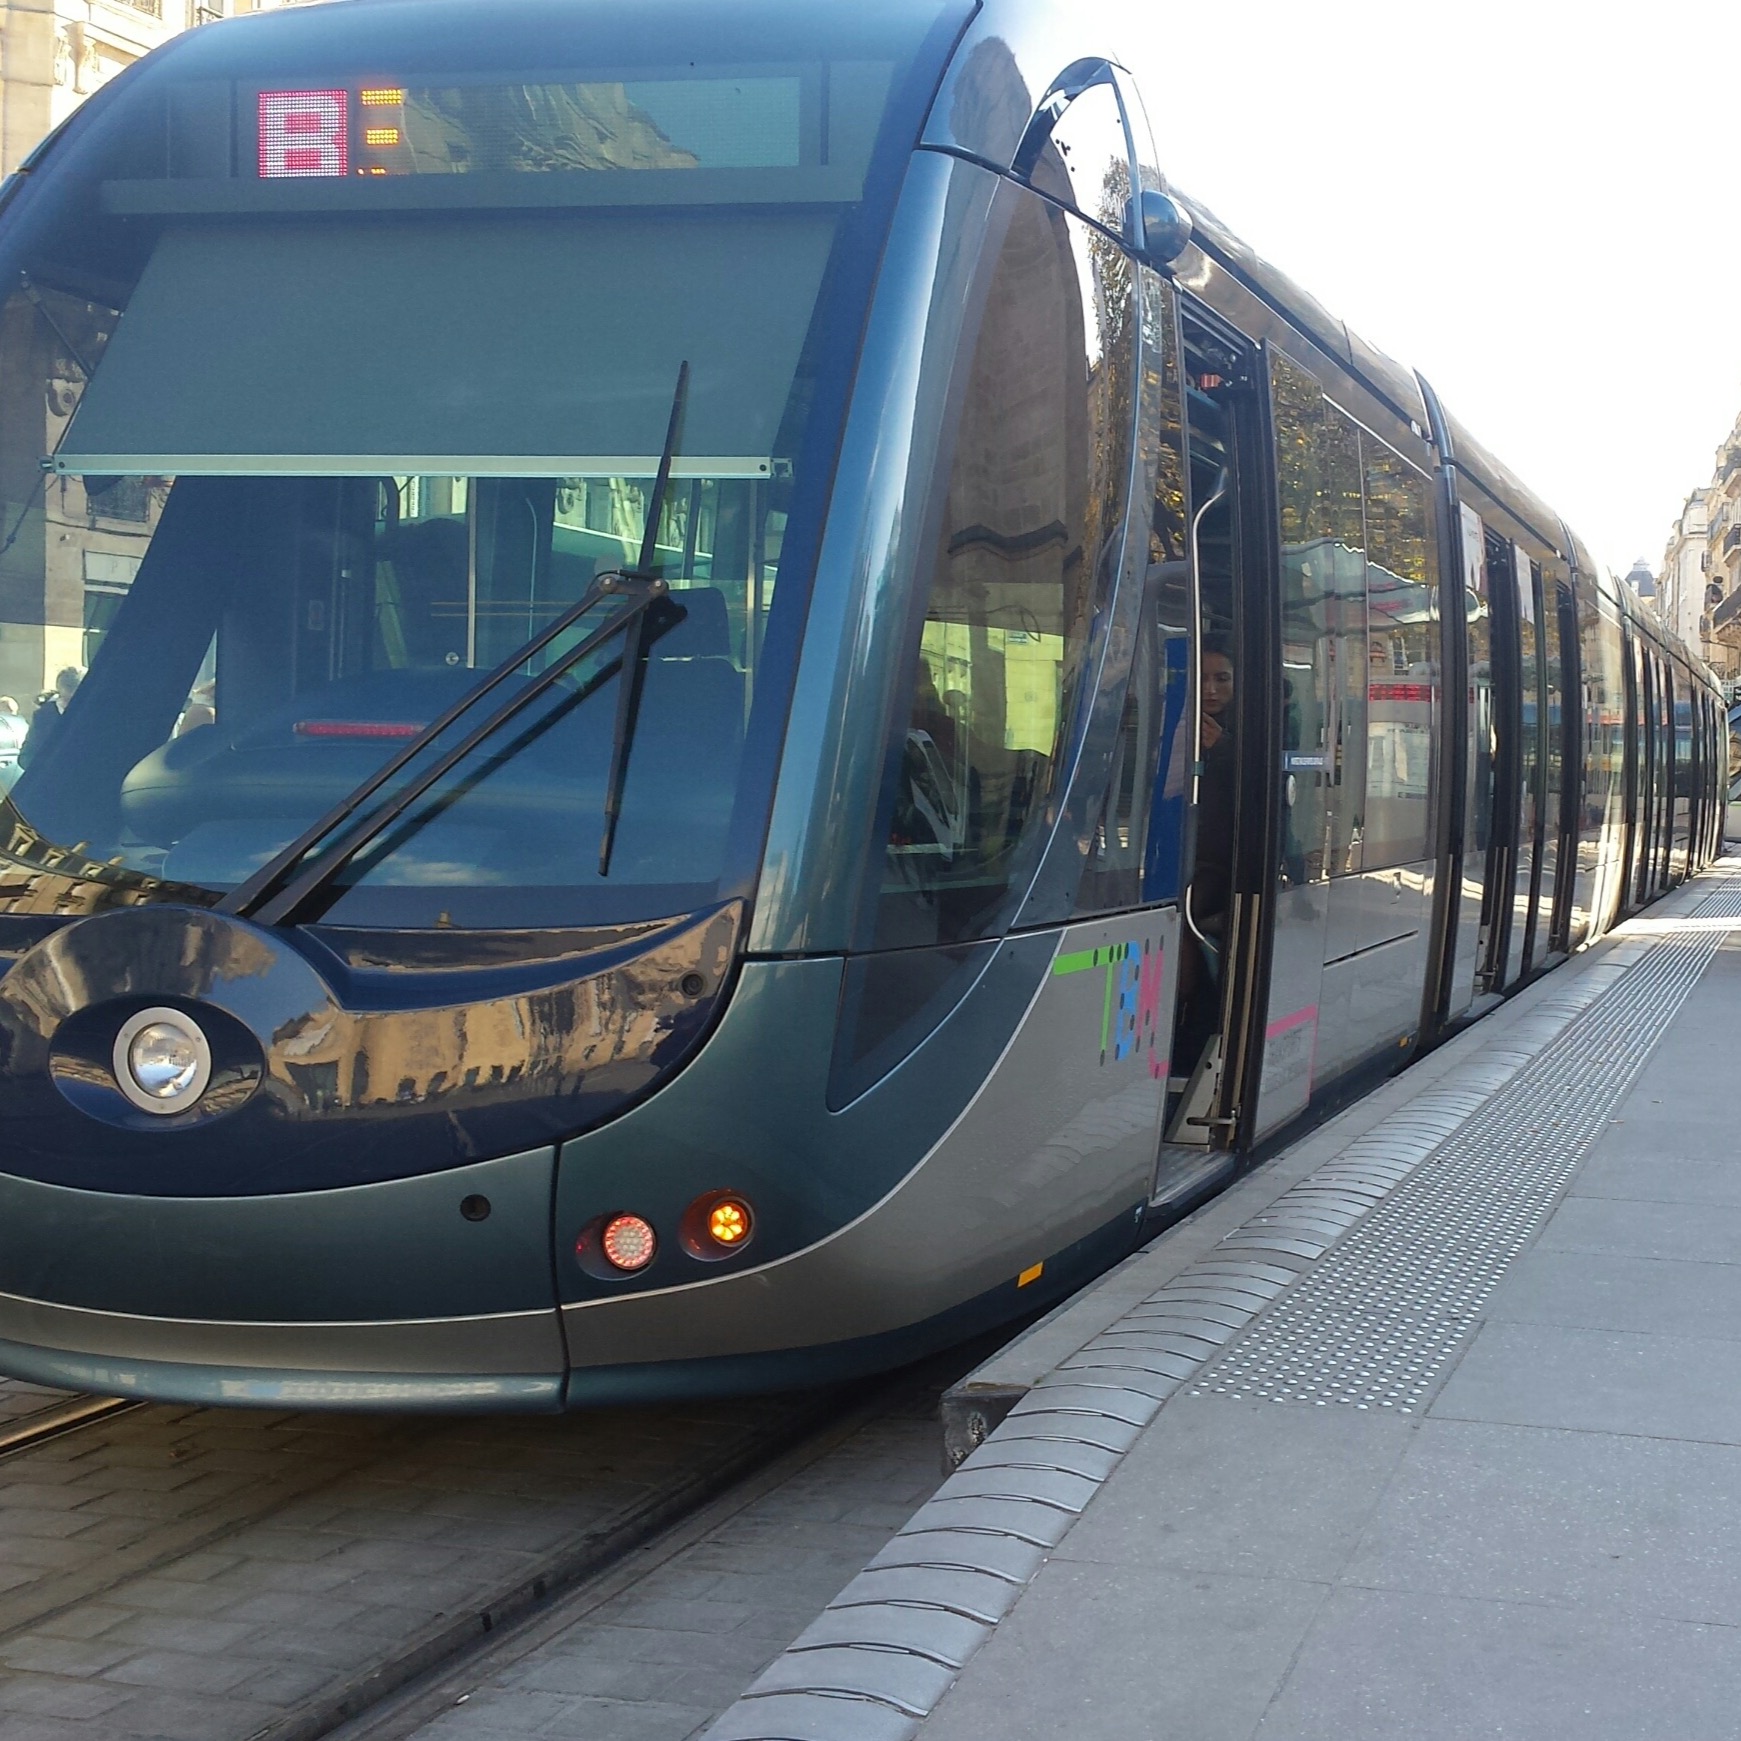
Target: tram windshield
x=325, y=394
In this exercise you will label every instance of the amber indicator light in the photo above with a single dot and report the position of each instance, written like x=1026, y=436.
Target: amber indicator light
x=728, y=1222
x=628, y=1242
x=717, y=1225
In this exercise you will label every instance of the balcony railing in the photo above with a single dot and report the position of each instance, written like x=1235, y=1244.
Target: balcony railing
x=1732, y=540
x=151, y=8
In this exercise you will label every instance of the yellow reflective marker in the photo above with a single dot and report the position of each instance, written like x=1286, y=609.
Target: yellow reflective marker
x=1029, y=1275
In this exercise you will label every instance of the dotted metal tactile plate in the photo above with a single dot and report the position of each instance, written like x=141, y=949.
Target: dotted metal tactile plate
x=1376, y=1323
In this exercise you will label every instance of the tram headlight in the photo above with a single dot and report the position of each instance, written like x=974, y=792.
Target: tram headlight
x=162, y=1061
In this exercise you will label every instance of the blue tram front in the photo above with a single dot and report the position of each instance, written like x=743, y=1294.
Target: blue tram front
x=627, y=805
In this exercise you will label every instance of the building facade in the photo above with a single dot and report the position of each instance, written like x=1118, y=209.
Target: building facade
x=54, y=53
x=1723, y=558
x=67, y=555
x=1681, y=600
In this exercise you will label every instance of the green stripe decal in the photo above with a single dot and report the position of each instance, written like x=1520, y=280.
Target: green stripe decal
x=1080, y=962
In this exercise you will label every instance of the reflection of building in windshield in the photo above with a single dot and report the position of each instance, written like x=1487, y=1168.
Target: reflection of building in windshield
x=740, y=123
x=70, y=547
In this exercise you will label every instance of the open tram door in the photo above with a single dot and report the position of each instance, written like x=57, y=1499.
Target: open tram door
x=1230, y=835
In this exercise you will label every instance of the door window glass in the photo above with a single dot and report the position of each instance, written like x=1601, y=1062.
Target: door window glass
x=1553, y=761
x=1483, y=737
x=1309, y=562
x=1135, y=854
x=1030, y=528
x=1342, y=529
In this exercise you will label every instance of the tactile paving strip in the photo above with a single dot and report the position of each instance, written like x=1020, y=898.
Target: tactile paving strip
x=1377, y=1322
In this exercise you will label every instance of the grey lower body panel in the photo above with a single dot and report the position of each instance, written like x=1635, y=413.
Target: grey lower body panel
x=510, y=1361
x=380, y=1296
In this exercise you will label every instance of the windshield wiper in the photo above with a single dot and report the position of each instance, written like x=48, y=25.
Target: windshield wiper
x=639, y=641
x=275, y=894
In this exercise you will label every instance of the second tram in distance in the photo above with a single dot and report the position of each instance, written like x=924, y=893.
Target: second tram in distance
x=730, y=699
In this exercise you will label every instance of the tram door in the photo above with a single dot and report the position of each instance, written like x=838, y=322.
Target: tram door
x=1642, y=787
x=1224, y=911
x=1355, y=698
x=1473, y=908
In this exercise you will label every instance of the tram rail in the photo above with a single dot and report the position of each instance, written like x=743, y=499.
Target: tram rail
x=57, y=1419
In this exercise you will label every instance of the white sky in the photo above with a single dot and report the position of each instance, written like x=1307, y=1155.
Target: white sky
x=1536, y=204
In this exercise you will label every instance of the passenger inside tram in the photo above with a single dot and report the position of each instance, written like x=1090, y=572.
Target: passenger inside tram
x=1212, y=874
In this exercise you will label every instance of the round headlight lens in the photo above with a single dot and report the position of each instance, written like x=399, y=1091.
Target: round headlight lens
x=162, y=1061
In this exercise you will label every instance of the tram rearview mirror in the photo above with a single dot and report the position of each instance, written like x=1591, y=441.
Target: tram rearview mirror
x=1160, y=226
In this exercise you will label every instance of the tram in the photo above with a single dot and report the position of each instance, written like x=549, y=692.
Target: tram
x=722, y=698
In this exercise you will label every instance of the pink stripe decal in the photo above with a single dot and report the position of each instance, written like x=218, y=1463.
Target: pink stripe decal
x=1287, y=1024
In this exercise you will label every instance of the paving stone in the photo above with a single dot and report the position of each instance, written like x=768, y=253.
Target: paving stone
x=1123, y=1404
x=978, y=1595
x=182, y=1717
x=1027, y=1520
x=947, y=1637
x=1001, y=1555
x=37, y=1653
x=184, y=1672
x=1037, y=1416
x=1381, y=1664
x=1059, y=1487
x=89, y=1620
x=1672, y=1387
x=284, y=1684
x=55, y=1696
x=1007, y=1449
x=909, y=1682
x=807, y=1717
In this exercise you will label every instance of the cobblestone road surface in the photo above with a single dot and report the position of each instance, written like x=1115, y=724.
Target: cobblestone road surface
x=197, y=1575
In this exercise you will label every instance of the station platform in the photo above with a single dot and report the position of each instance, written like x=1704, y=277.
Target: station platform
x=1429, y=1427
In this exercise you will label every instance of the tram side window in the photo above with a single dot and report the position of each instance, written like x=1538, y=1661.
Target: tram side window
x=1030, y=526
x=1324, y=627
x=1402, y=656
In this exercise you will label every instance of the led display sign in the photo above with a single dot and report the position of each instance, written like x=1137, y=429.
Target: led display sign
x=386, y=129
